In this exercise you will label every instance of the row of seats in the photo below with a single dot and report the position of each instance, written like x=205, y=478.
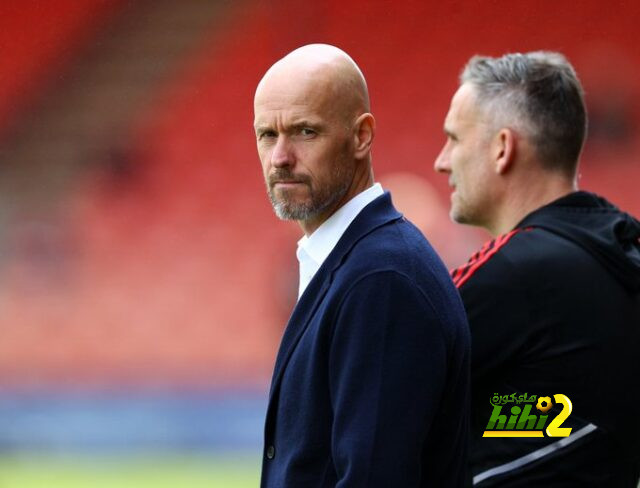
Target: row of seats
x=36, y=39
x=178, y=270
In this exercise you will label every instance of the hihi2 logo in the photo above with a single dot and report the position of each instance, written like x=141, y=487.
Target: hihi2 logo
x=521, y=422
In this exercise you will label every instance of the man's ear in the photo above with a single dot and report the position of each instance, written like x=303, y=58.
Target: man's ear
x=365, y=131
x=504, y=150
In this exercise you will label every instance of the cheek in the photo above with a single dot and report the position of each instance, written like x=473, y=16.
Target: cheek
x=457, y=165
x=316, y=160
x=467, y=163
x=478, y=183
x=264, y=157
x=325, y=159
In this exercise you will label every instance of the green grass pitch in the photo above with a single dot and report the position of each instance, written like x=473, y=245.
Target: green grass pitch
x=160, y=471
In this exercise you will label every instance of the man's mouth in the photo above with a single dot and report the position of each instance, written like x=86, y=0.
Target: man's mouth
x=285, y=183
x=284, y=180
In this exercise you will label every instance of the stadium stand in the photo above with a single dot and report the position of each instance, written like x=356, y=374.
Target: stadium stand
x=161, y=260
x=34, y=48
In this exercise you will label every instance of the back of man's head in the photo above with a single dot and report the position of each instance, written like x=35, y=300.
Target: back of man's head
x=537, y=94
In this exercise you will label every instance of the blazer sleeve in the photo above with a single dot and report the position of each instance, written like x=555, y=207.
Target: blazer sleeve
x=387, y=368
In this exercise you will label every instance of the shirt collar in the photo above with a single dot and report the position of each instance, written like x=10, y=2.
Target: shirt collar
x=319, y=245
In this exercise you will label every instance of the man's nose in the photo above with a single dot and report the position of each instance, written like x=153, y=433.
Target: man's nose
x=442, y=164
x=281, y=155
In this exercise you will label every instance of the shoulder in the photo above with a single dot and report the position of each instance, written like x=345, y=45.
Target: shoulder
x=391, y=298
x=394, y=242
x=396, y=263
x=399, y=247
x=516, y=258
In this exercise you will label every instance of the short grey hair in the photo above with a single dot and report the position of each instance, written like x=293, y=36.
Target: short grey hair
x=539, y=94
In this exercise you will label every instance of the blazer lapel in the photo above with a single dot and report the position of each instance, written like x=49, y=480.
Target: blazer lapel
x=379, y=212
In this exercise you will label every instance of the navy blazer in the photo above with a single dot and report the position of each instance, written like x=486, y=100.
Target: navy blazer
x=370, y=387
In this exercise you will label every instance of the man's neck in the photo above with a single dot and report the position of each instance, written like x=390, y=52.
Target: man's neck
x=527, y=197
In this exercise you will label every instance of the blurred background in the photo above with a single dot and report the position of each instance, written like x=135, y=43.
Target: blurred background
x=144, y=280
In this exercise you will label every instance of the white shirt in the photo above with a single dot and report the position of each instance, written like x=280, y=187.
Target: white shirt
x=314, y=249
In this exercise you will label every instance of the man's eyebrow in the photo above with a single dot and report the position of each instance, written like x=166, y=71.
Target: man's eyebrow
x=305, y=123
x=261, y=127
x=296, y=125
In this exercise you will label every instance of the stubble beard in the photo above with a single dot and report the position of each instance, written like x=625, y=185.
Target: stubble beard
x=458, y=212
x=469, y=211
x=320, y=198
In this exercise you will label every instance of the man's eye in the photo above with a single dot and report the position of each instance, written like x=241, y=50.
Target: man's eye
x=267, y=134
x=307, y=132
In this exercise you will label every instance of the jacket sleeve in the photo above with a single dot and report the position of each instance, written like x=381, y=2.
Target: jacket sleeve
x=387, y=368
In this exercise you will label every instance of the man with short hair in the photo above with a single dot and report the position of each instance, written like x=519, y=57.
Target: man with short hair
x=370, y=387
x=553, y=301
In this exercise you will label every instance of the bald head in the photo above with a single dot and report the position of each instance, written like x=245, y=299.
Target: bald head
x=314, y=133
x=326, y=73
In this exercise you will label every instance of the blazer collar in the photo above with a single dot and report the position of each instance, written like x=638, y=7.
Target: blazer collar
x=376, y=214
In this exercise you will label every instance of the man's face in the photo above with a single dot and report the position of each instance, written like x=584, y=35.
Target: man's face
x=304, y=146
x=465, y=157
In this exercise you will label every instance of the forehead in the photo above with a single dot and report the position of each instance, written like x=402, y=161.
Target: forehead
x=464, y=108
x=291, y=96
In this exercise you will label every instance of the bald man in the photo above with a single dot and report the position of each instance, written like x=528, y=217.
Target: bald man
x=370, y=386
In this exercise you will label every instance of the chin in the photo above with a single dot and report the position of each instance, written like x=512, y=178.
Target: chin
x=454, y=214
x=459, y=217
x=287, y=210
